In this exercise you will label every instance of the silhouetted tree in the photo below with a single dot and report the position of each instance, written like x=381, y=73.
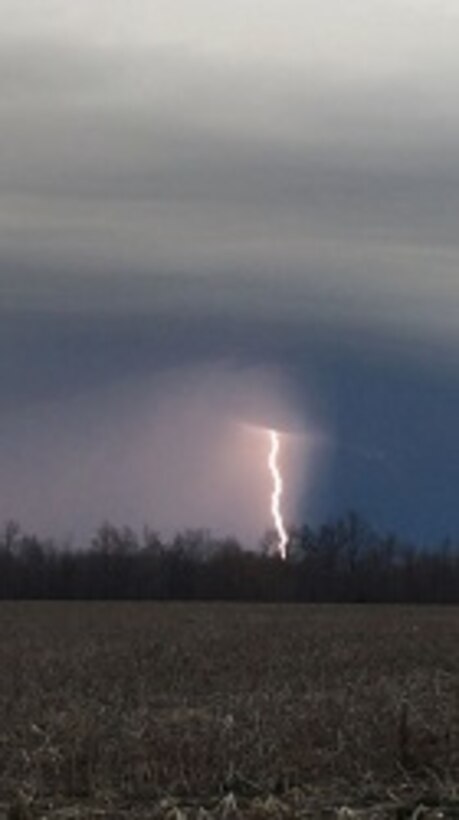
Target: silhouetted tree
x=344, y=560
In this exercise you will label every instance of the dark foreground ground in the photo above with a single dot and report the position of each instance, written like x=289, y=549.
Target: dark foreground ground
x=226, y=711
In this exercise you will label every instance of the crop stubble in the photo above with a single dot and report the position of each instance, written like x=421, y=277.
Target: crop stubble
x=126, y=706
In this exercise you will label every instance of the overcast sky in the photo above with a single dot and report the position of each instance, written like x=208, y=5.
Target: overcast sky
x=221, y=214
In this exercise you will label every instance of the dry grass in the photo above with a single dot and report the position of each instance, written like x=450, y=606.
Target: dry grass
x=155, y=710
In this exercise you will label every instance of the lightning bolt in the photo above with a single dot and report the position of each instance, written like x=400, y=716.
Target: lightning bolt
x=276, y=495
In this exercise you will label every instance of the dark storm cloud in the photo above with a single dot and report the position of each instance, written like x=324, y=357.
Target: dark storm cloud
x=390, y=423
x=278, y=190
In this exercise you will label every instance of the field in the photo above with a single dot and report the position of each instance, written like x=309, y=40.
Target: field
x=209, y=710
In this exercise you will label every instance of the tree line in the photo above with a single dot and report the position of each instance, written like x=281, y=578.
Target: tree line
x=341, y=561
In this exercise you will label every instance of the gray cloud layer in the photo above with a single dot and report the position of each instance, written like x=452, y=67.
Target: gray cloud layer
x=169, y=154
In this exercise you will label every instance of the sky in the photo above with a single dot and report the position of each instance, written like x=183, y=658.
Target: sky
x=216, y=219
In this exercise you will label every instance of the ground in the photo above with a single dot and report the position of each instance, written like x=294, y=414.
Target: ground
x=126, y=710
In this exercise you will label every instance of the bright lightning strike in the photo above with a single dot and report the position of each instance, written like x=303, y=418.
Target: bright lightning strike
x=276, y=495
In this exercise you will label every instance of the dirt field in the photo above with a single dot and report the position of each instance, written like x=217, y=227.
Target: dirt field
x=185, y=710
